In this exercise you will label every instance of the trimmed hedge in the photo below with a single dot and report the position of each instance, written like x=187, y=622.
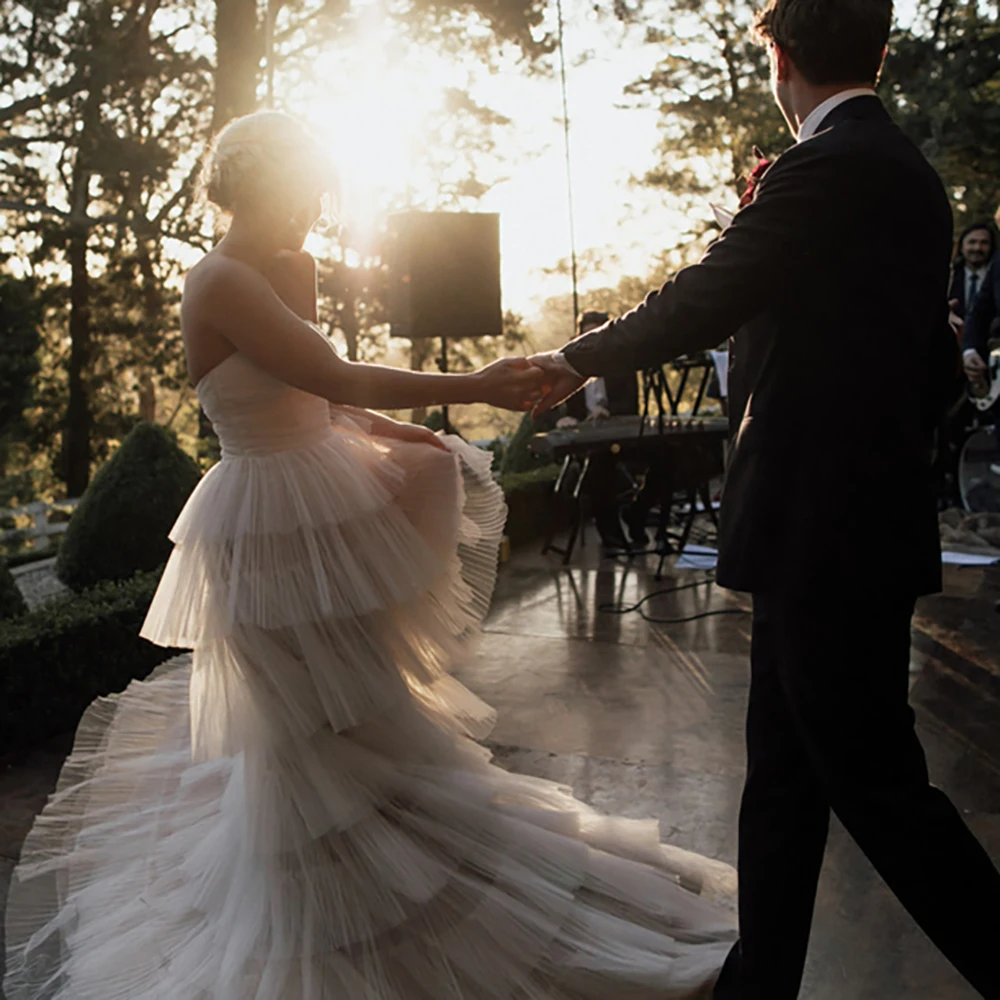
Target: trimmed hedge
x=517, y=458
x=531, y=504
x=56, y=660
x=434, y=421
x=121, y=524
x=11, y=601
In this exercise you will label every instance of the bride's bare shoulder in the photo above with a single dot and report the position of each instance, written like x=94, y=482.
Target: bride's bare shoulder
x=219, y=273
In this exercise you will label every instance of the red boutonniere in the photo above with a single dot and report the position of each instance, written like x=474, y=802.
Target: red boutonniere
x=754, y=179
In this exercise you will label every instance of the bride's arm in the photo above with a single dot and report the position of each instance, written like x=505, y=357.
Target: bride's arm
x=292, y=275
x=240, y=305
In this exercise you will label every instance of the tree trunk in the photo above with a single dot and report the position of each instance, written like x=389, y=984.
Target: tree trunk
x=77, y=438
x=153, y=308
x=349, y=324
x=239, y=45
x=238, y=50
x=147, y=398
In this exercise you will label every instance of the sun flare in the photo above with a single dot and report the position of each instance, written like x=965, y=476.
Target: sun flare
x=370, y=110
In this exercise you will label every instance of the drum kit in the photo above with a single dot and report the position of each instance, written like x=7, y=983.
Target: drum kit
x=978, y=477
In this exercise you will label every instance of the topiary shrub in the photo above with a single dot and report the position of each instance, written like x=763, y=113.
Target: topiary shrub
x=531, y=504
x=517, y=458
x=55, y=661
x=121, y=525
x=498, y=448
x=11, y=600
x=434, y=421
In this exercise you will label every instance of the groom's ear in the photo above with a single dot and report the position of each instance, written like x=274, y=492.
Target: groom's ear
x=782, y=64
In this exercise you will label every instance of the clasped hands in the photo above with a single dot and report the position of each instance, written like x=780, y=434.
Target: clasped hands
x=537, y=383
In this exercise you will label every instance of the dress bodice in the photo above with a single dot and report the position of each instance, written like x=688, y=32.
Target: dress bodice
x=254, y=413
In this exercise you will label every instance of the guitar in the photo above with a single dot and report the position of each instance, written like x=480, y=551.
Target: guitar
x=986, y=400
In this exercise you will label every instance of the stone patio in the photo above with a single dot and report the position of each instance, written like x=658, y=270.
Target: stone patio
x=646, y=720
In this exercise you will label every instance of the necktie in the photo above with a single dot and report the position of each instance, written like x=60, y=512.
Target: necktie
x=973, y=288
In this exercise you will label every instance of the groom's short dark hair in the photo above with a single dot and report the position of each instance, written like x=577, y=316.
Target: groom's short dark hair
x=830, y=41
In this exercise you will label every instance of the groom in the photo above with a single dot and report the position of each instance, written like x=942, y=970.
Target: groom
x=824, y=433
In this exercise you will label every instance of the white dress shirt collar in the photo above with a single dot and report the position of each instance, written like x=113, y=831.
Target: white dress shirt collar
x=812, y=123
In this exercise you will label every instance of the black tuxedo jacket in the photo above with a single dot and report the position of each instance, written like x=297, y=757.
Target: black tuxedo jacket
x=981, y=316
x=839, y=371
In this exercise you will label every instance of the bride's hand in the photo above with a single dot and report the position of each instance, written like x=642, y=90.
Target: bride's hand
x=511, y=384
x=386, y=427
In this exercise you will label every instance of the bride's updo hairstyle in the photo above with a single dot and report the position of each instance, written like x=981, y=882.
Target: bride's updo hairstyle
x=267, y=162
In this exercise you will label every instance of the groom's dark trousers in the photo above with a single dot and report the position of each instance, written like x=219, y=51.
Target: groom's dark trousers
x=839, y=371
x=829, y=728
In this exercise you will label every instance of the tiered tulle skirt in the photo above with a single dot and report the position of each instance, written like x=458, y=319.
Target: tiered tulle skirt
x=300, y=809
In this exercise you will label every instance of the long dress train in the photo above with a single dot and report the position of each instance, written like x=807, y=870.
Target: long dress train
x=299, y=809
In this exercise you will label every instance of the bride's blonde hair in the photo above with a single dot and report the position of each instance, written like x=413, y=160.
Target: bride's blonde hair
x=268, y=161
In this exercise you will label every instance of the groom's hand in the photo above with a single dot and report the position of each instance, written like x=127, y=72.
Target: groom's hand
x=561, y=380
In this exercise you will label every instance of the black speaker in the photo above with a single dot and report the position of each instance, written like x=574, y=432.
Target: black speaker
x=444, y=275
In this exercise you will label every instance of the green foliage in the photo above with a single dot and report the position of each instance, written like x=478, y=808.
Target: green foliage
x=942, y=83
x=56, y=660
x=497, y=449
x=11, y=601
x=514, y=482
x=713, y=91
x=517, y=458
x=434, y=421
x=531, y=504
x=20, y=317
x=115, y=116
x=123, y=520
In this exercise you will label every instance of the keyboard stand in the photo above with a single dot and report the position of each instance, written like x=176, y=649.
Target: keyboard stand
x=577, y=525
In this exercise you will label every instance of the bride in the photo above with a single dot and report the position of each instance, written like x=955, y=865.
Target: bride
x=300, y=809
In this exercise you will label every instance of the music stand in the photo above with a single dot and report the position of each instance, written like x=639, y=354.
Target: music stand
x=656, y=389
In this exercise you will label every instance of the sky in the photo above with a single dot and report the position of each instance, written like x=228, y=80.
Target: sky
x=609, y=146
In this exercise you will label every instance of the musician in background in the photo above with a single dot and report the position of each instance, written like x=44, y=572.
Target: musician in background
x=981, y=323
x=975, y=248
x=614, y=396
x=969, y=275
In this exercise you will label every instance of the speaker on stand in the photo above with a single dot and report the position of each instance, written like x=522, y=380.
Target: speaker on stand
x=444, y=278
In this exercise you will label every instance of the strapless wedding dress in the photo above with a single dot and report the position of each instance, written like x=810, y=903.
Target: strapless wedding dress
x=299, y=809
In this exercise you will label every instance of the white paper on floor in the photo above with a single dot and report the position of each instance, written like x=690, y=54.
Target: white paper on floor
x=703, y=557
x=697, y=557
x=968, y=558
